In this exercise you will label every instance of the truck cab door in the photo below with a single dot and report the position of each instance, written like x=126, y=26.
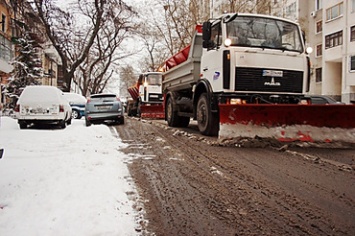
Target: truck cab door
x=211, y=61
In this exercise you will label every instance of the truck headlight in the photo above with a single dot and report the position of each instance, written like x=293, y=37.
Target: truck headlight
x=227, y=42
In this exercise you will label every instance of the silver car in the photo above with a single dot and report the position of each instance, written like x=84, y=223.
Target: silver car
x=103, y=107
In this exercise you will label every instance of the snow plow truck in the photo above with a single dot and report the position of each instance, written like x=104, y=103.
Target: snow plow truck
x=147, y=98
x=246, y=75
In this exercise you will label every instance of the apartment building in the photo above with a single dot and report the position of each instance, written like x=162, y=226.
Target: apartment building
x=331, y=32
x=6, y=50
x=15, y=16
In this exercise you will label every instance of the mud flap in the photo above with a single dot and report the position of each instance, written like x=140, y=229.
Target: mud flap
x=310, y=123
x=152, y=111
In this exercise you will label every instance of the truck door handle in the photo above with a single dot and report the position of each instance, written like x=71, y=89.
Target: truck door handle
x=205, y=69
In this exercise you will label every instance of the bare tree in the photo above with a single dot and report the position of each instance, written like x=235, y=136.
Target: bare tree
x=74, y=43
x=164, y=36
x=128, y=78
x=98, y=68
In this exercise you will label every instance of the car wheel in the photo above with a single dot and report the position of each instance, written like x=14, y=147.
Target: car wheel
x=121, y=121
x=23, y=125
x=62, y=124
x=87, y=123
x=75, y=114
x=69, y=121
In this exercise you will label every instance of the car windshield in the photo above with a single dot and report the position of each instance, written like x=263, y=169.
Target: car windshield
x=249, y=31
x=154, y=79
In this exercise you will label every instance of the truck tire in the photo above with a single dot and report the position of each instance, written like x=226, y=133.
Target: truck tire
x=172, y=117
x=207, y=122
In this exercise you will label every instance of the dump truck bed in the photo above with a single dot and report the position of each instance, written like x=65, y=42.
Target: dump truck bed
x=183, y=69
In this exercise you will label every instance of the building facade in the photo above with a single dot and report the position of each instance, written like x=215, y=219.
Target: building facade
x=15, y=17
x=331, y=33
x=6, y=48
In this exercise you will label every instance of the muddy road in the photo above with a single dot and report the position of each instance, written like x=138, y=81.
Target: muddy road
x=193, y=185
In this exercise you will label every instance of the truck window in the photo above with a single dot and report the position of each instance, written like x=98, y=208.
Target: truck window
x=154, y=79
x=265, y=33
x=216, y=34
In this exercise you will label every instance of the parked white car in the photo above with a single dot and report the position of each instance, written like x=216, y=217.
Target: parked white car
x=43, y=105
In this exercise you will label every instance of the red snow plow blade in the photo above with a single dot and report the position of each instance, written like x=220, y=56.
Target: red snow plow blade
x=309, y=123
x=152, y=111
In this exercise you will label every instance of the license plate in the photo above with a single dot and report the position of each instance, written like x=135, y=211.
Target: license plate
x=101, y=108
x=273, y=73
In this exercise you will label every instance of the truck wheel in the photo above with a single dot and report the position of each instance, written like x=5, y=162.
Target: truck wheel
x=184, y=121
x=207, y=121
x=171, y=115
x=129, y=113
x=174, y=120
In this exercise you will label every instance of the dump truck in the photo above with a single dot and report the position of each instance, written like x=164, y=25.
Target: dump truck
x=246, y=75
x=146, y=96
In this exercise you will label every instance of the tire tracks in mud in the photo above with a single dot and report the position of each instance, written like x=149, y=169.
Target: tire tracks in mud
x=192, y=188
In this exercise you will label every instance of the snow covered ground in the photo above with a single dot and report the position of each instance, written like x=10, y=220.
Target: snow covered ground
x=71, y=181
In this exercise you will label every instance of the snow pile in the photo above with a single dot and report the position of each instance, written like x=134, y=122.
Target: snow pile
x=69, y=181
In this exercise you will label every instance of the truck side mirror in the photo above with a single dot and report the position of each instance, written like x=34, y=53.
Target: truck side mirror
x=206, y=31
x=206, y=35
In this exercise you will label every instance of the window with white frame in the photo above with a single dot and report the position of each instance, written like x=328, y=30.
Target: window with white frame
x=319, y=51
x=319, y=26
x=352, y=63
x=335, y=11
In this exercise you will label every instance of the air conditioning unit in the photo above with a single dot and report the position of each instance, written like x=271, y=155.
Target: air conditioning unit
x=313, y=14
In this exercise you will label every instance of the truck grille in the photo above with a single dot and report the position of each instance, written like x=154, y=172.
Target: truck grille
x=252, y=79
x=155, y=97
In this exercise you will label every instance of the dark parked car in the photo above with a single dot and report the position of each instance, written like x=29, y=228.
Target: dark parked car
x=104, y=107
x=323, y=99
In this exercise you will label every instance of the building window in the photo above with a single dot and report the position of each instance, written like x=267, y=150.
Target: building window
x=319, y=74
x=352, y=33
x=319, y=50
x=335, y=11
x=334, y=39
x=352, y=63
x=319, y=26
x=3, y=22
x=319, y=4
x=291, y=9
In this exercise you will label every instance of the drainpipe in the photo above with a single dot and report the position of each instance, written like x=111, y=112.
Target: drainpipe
x=346, y=37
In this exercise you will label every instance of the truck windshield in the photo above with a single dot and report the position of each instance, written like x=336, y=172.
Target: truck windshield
x=249, y=31
x=154, y=79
